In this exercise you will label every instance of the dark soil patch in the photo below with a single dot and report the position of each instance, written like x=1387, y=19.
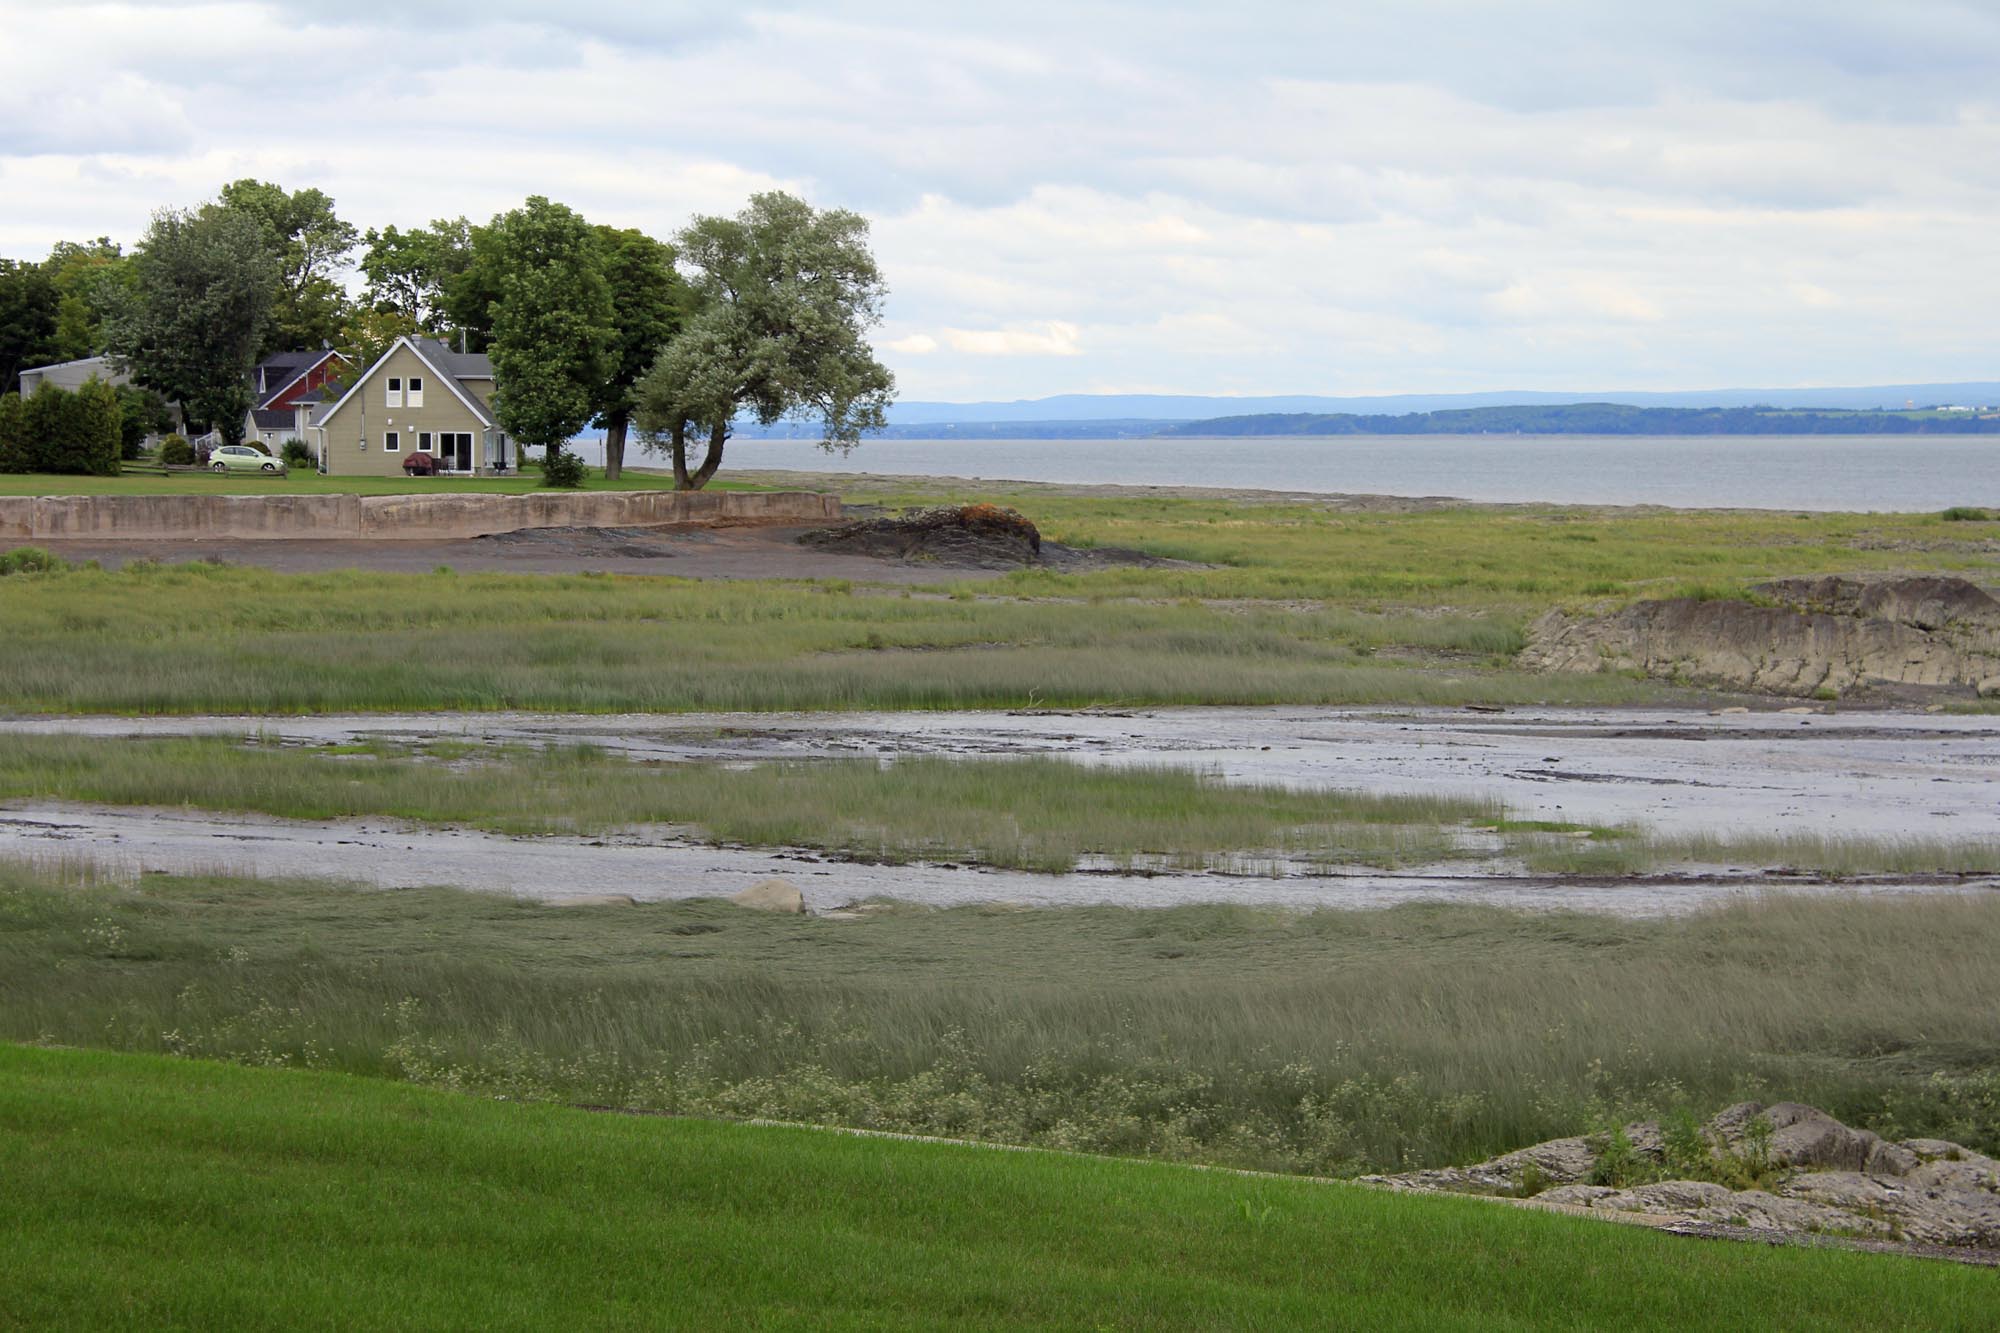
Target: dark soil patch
x=979, y=536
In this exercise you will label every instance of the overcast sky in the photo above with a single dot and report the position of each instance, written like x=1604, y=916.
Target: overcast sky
x=1070, y=197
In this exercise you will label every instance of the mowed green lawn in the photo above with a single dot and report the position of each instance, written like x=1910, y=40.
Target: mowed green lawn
x=156, y=1193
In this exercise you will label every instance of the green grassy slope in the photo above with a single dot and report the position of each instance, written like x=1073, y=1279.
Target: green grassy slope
x=159, y=1193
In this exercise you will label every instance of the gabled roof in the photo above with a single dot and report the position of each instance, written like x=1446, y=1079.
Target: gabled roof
x=271, y=418
x=281, y=370
x=451, y=381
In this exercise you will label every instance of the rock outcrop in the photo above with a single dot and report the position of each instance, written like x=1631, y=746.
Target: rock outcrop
x=772, y=895
x=1812, y=1174
x=1803, y=637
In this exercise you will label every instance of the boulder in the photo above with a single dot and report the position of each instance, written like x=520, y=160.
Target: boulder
x=1831, y=1179
x=772, y=895
x=1807, y=1137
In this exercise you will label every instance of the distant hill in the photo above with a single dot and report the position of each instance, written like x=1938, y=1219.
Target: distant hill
x=1180, y=407
x=1130, y=416
x=1599, y=419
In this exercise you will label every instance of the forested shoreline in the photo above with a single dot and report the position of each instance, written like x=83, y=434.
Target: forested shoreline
x=1601, y=419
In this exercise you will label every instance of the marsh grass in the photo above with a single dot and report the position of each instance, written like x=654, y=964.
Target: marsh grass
x=191, y=638
x=1030, y=813
x=1036, y=813
x=1295, y=603
x=1631, y=852
x=1325, y=1042
x=1514, y=560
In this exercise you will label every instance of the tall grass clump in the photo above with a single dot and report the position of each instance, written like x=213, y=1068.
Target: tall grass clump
x=1326, y=1042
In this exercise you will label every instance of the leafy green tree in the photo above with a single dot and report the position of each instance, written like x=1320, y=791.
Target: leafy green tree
x=194, y=323
x=369, y=332
x=553, y=335
x=28, y=307
x=88, y=277
x=785, y=296
x=413, y=273
x=310, y=244
x=648, y=302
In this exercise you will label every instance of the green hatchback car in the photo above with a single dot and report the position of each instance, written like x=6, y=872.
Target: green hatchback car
x=240, y=458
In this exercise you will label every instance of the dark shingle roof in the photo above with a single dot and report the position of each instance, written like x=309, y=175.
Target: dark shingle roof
x=280, y=369
x=272, y=418
x=462, y=365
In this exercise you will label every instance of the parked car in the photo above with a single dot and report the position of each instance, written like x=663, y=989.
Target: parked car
x=421, y=465
x=240, y=458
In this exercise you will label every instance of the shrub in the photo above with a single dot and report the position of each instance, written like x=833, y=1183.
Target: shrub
x=1618, y=1162
x=295, y=453
x=64, y=431
x=1964, y=514
x=563, y=468
x=175, y=451
x=141, y=412
x=13, y=439
x=31, y=560
x=95, y=440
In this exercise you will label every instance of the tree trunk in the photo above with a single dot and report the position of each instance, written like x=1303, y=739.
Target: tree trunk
x=680, y=449
x=614, y=446
x=716, y=435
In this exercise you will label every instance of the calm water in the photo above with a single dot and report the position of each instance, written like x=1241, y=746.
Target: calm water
x=1860, y=472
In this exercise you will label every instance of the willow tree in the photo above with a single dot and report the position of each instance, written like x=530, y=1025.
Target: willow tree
x=784, y=297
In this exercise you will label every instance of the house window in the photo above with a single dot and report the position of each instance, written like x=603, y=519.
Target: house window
x=394, y=398
x=416, y=398
x=392, y=443
x=423, y=441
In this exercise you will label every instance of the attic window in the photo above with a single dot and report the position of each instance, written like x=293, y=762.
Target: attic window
x=416, y=391
x=395, y=395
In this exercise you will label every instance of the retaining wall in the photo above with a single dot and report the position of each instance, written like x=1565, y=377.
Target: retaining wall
x=433, y=517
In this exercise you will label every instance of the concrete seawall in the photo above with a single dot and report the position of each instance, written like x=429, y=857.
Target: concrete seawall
x=434, y=517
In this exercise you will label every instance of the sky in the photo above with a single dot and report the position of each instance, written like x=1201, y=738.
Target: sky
x=1335, y=198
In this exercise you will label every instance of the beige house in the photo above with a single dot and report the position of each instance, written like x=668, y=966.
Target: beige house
x=421, y=398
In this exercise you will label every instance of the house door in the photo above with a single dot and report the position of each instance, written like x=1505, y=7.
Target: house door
x=455, y=451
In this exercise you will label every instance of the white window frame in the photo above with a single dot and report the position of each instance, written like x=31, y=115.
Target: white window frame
x=413, y=395
x=392, y=442
x=392, y=395
x=425, y=443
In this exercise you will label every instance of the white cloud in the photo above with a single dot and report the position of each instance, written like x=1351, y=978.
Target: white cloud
x=1054, y=338
x=1436, y=194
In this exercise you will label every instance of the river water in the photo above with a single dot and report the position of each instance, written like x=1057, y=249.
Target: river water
x=1918, y=473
